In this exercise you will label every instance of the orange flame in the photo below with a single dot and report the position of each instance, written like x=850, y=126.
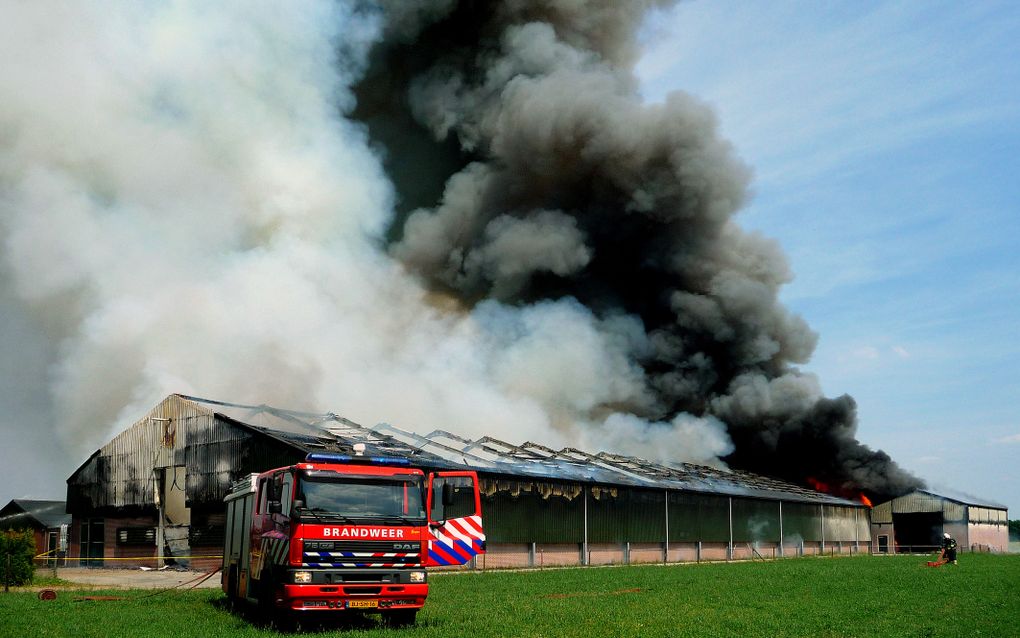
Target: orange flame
x=819, y=485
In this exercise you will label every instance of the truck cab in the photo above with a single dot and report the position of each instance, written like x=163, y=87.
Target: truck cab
x=347, y=533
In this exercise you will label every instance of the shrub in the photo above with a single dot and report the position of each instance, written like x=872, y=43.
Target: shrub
x=19, y=545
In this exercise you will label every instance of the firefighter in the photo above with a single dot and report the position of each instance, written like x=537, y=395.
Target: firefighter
x=948, y=549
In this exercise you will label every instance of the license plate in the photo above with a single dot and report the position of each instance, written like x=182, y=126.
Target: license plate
x=362, y=604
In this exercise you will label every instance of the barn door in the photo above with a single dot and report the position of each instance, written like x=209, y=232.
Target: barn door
x=91, y=547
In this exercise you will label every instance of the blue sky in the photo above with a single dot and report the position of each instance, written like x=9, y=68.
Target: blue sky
x=885, y=142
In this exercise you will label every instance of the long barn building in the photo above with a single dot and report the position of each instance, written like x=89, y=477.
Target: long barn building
x=156, y=490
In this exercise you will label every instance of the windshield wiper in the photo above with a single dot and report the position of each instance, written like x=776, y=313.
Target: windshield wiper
x=406, y=520
x=323, y=515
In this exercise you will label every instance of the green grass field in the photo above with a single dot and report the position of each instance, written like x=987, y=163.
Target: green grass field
x=817, y=597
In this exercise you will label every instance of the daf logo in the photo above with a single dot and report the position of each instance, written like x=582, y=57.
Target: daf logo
x=403, y=547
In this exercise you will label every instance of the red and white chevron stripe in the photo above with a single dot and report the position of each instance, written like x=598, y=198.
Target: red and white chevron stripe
x=460, y=529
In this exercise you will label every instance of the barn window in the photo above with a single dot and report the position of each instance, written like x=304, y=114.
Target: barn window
x=136, y=535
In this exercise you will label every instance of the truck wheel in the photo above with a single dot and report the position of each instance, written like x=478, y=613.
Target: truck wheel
x=269, y=613
x=266, y=600
x=399, y=617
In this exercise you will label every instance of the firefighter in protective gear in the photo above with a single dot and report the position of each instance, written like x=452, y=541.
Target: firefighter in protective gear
x=948, y=549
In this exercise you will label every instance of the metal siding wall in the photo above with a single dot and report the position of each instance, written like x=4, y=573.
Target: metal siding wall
x=955, y=512
x=214, y=451
x=647, y=517
x=684, y=519
x=839, y=524
x=619, y=515
x=219, y=452
x=919, y=502
x=755, y=520
x=985, y=515
x=714, y=515
x=121, y=474
x=521, y=511
x=882, y=513
x=801, y=522
x=698, y=517
x=916, y=503
x=864, y=521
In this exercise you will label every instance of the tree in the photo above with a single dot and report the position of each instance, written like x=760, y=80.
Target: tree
x=1014, y=530
x=17, y=549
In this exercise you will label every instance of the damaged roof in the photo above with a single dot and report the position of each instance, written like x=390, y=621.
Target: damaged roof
x=444, y=450
x=35, y=514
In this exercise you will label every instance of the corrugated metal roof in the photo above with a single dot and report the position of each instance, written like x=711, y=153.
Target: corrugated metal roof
x=22, y=512
x=962, y=497
x=441, y=449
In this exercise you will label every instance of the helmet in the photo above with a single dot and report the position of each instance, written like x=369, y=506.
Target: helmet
x=946, y=534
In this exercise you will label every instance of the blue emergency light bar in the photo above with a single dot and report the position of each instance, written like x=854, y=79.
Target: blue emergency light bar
x=327, y=457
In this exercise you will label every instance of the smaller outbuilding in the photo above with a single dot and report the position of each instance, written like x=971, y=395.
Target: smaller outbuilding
x=915, y=523
x=48, y=521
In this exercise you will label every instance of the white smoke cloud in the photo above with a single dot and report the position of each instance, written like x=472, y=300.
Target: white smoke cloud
x=185, y=208
x=703, y=439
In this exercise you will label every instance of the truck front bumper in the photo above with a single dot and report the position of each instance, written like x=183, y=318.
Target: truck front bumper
x=358, y=597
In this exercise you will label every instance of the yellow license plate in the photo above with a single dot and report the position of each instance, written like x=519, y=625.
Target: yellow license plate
x=363, y=604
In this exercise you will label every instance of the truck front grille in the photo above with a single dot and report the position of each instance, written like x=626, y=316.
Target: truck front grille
x=361, y=554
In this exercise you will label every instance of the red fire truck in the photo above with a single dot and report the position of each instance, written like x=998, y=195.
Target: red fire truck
x=340, y=533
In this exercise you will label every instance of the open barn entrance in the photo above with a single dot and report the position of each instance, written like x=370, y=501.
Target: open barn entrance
x=918, y=532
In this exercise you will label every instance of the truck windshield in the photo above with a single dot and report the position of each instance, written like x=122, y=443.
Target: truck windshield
x=357, y=498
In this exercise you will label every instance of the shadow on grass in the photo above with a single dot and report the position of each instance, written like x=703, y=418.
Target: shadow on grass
x=305, y=623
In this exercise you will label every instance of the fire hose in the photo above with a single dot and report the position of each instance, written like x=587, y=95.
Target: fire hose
x=194, y=582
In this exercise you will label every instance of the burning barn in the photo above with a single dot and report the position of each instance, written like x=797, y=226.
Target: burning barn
x=469, y=203
x=915, y=522
x=156, y=490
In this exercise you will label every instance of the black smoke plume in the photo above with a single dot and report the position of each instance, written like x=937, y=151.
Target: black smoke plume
x=528, y=169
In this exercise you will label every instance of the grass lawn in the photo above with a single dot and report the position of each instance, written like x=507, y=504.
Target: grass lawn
x=817, y=597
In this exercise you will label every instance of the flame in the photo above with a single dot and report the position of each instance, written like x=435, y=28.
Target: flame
x=819, y=485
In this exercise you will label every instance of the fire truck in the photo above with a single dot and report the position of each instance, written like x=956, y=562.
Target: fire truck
x=344, y=533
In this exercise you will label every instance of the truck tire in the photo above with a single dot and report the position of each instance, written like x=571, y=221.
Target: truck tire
x=269, y=613
x=399, y=617
x=266, y=597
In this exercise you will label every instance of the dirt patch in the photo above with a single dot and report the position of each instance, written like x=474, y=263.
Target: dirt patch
x=139, y=579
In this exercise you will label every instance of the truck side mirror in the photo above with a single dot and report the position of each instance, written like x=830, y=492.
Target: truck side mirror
x=447, y=495
x=275, y=507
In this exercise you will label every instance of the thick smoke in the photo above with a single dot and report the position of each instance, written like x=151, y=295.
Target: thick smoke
x=560, y=184
x=192, y=200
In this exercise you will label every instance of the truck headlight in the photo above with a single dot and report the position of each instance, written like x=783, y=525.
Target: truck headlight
x=417, y=577
x=302, y=577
